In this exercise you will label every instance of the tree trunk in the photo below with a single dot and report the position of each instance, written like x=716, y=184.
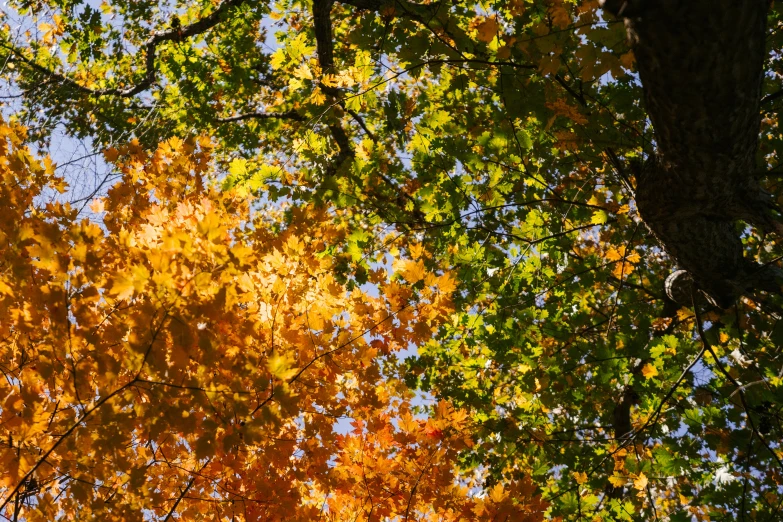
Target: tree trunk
x=701, y=67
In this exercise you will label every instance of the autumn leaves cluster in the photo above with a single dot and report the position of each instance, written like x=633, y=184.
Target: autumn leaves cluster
x=184, y=352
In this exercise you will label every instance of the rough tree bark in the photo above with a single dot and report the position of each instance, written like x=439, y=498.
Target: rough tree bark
x=701, y=67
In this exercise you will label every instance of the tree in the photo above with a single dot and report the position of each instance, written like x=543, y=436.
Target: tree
x=523, y=150
x=702, y=177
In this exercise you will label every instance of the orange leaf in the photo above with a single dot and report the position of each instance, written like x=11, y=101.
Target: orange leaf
x=487, y=30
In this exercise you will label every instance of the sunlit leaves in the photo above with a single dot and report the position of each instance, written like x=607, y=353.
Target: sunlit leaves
x=186, y=350
x=483, y=217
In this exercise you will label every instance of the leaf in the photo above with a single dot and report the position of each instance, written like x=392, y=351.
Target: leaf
x=97, y=206
x=580, y=477
x=497, y=494
x=618, y=481
x=488, y=29
x=640, y=482
x=411, y=271
x=280, y=365
x=238, y=167
x=123, y=286
x=649, y=371
x=599, y=217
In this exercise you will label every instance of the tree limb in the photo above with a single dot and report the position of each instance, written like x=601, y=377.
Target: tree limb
x=174, y=34
x=287, y=115
x=700, y=180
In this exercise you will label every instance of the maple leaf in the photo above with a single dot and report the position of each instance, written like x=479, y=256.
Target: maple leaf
x=123, y=286
x=617, y=481
x=411, y=271
x=97, y=206
x=649, y=371
x=497, y=493
x=433, y=432
x=580, y=478
x=640, y=482
x=279, y=365
x=487, y=30
x=259, y=197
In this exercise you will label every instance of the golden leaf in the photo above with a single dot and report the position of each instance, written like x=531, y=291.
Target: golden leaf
x=497, y=493
x=280, y=365
x=411, y=271
x=617, y=480
x=580, y=477
x=487, y=30
x=122, y=286
x=640, y=482
x=97, y=205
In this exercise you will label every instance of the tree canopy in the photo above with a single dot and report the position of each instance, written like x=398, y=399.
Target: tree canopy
x=529, y=248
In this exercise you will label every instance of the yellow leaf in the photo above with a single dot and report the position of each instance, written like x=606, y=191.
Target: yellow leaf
x=487, y=30
x=640, y=482
x=446, y=284
x=622, y=269
x=280, y=366
x=238, y=167
x=497, y=494
x=617, y=480
x=210, y=226
x=407, y=423
x=649, y=371
x=278, y=59
x=317, y=97
x=411, y=271
x=122, y=286
x=303, y=72
x=615, y=254
x=330, y=80
x=580, y=478
x=97, y=205
x=683, y=314
x=140, y=277
x=599, y=217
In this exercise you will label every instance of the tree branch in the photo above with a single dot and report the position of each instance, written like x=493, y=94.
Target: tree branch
x=737, y=384
x=288, y=115
x=771, y=97
x=184, y=492
x=150, y=50
x=430, y=16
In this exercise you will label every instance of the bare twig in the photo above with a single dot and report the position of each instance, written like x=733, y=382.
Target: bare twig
x=736, y=383
x=287, y=115
x=184, y=492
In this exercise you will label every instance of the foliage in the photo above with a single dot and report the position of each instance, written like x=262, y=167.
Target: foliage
x=490, y=147
x=191, y=358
